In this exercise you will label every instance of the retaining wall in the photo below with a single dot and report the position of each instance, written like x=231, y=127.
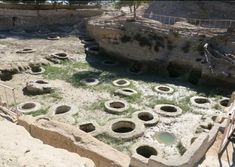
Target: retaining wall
x=28, y=17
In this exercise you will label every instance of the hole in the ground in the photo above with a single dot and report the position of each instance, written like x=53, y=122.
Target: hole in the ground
x=62, y=109
x=63, y=55
x=163, y=88
x=224, y=102
x=117, y=105
x=174, y=70
x=41, y=82
x=121, y=82
x=168, y=108
x=27, y=106
x=123, y=126
x=201, y=100
x=89, y=127
x=136, y=68
x=90, y=80
x=27, y=49
x=146, y=151
x=36, y=69
x=145, y=116
x=128, y=90
x=195, y=76
x=6, y=76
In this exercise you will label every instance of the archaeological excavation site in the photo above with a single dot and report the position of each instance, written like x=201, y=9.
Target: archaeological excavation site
x=117, y=83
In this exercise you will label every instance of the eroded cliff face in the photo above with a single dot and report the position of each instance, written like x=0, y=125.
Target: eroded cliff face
x=170, y=52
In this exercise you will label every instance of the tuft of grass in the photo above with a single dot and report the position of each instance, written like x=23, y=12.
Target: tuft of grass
x=56, y=95
x=119, y=144
x=64, y=71
x=98, y=105
x=183, y=104
x=39, y=112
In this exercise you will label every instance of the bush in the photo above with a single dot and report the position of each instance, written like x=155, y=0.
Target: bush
x=143, y=41
x=125, y=38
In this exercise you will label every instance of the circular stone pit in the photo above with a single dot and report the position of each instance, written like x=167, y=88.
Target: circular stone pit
x=36, y=70
x=125, y=128
x=168, y=110
x=126, y=92
x=53, y=37
x=26, y=50
x=224, y=102
x=201, y=102
x=148, y=118
x=63, y=109
x=89, y=81
x=121, y=83
x=163, y=89
x=116, y=106
x=144, y=150
x=61, y=56
x=28, y=107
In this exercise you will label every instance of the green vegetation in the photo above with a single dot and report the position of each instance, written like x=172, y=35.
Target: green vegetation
x=39, y=112
x=183, y=104
x=119, y=144
x=143, y=41
x=64, y=71
x=56, y=95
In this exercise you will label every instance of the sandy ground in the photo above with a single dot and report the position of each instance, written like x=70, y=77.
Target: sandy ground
x=183, y=127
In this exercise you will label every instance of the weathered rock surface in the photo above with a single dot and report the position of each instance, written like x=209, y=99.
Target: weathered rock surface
x=177, y=51
x=18, y=148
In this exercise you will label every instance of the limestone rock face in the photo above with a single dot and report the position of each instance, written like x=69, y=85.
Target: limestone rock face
x=18, y=148
x=177, y=51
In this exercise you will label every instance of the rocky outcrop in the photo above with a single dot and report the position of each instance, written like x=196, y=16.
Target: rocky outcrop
x=176, y=51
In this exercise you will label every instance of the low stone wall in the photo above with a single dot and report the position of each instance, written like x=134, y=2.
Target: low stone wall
x=73, y=139
x=34, y=19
